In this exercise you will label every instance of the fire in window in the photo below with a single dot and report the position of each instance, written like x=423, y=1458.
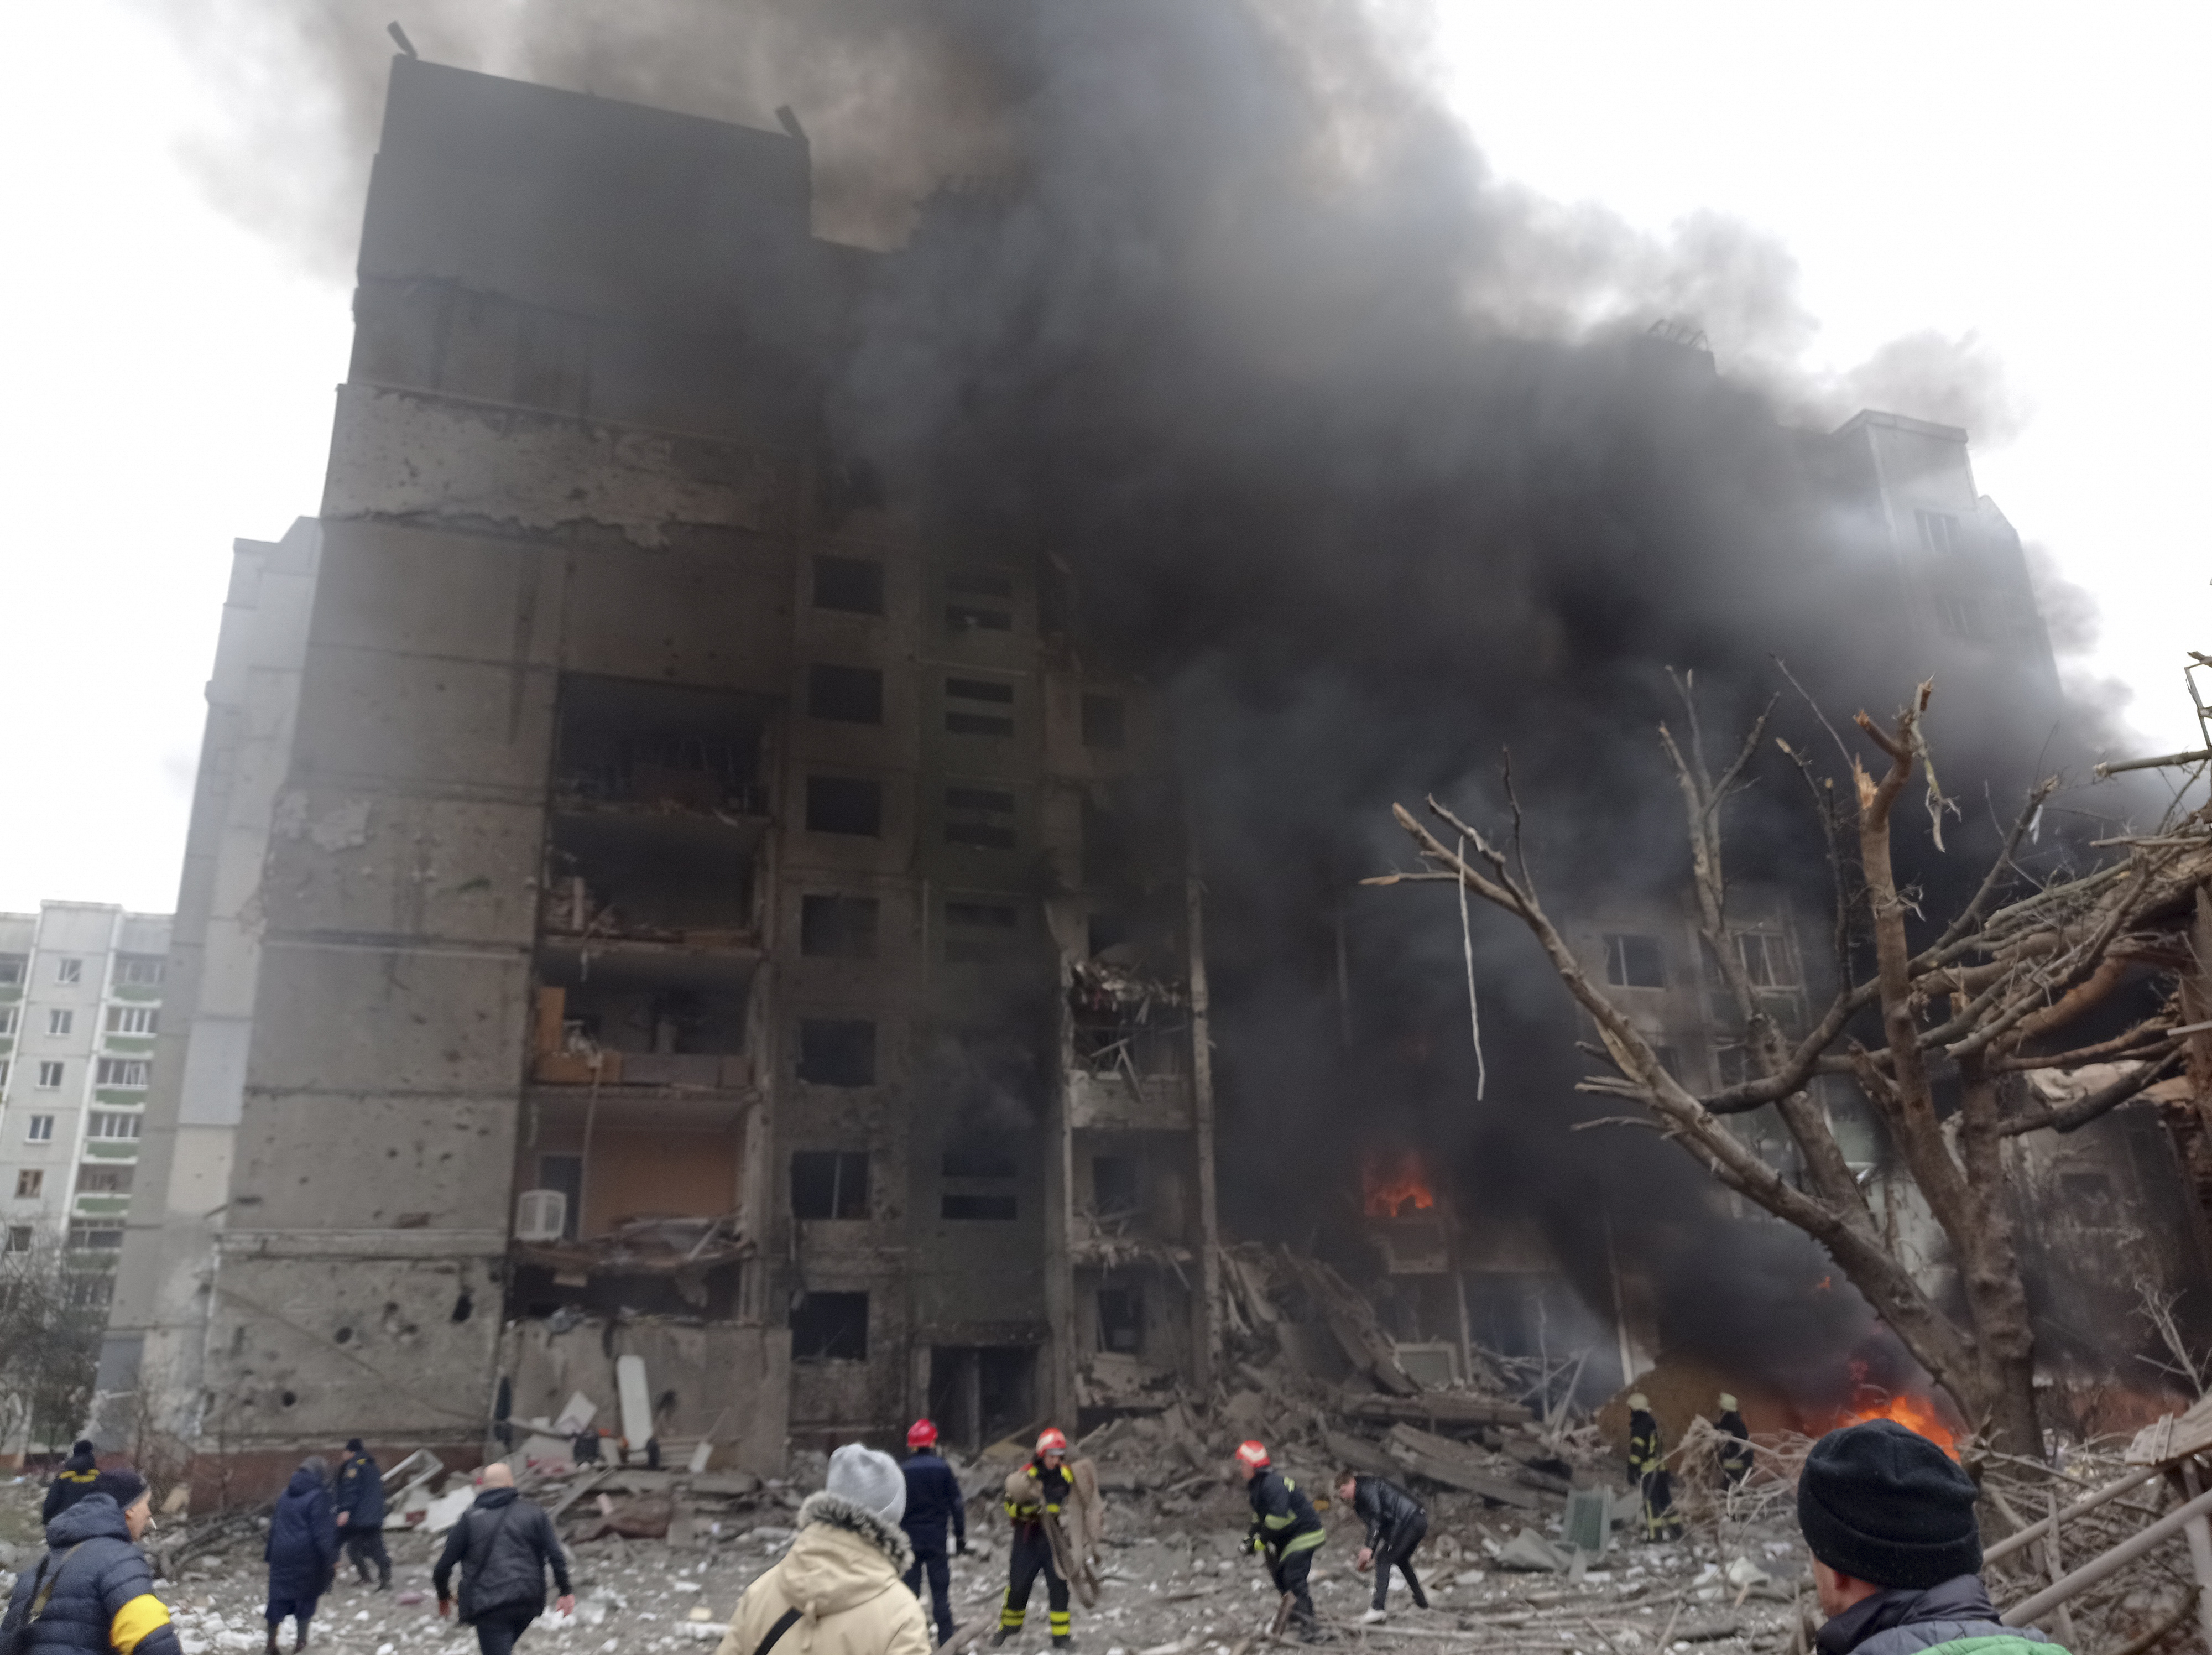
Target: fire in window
x=830, y=1327
x=838, y=1051
x=1121, y=1320
x=1633, y=961
x=830, y=1183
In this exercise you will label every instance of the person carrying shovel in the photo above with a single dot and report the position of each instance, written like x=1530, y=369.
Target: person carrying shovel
x=1286, y=1531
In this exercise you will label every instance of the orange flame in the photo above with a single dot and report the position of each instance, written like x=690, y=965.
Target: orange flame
x=1915, y=1412
x=1390, y=1185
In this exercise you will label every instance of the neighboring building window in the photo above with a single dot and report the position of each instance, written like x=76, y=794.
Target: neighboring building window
x=102, y=1179
x=19, y=1239
x=50, y=1077
x=1765, y=955
x=844, y=804
x=7, y=1020
x=95, y=1237
x=122, y=1072
x=1955, y=617
x=133, y=1019
x=975, y=931
x=982, y=817
x=28, y=1183
x=139, y=970
x=830, y=1327
x=1114, y=1186
x=12, y=967
x=1121, y=1319
x=60, y=1022
x=979, y=600
x=1105, y=722
x=91, y=1290
x=979, y=707
x=838, y=1051
x=69, y=970
x=1633, y=962
x=854, y=585
x=107, y=1125
x=1939, y=532
x=41, y=1129
x=830, y=1183
x=837, y=928
x=850, y=695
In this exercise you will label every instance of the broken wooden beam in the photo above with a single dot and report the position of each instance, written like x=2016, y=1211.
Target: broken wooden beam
x=1436, y=1408
x=1443, y=1461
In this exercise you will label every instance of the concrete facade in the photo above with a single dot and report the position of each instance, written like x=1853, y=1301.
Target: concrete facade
x=81, y=995
x=605, y=805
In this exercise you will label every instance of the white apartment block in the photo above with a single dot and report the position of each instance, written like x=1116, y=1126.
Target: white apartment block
x=79, y=1006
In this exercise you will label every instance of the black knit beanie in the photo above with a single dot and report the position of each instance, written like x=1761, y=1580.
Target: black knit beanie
x=353, y=1446
x=123, y=1485
x=1886, y=1505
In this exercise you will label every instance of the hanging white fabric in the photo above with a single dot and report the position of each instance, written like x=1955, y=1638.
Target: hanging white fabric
x=1473, y=1007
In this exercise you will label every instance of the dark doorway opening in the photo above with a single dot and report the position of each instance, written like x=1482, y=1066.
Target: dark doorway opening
x=977, y=1394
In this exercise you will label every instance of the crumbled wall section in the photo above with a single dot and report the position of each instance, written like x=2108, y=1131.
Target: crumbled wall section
x=399, y=453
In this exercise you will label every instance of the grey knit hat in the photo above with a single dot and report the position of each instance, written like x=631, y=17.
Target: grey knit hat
x=871, y=1480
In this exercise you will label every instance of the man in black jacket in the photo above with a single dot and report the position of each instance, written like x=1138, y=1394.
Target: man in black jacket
x=1286, y=1530
x=933, y=1499
x=1896, y=1556
x=1395, y=1526
x=72, y=1483
x=360, y=1513
x=504, y=1544
x=99, y=1593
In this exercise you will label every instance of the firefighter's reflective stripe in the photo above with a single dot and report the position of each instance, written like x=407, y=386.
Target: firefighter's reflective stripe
x=1059, y=1620
x=141, y=1617
x=1304, y=1543
x=1011, y=1619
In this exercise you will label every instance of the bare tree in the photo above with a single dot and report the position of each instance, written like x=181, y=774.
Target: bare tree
x=52, y=1313
x=1988, y=998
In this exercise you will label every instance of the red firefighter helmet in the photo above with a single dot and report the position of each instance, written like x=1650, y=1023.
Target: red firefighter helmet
x=1052, y=1441
x=1252, y=1455
x=921, y=1434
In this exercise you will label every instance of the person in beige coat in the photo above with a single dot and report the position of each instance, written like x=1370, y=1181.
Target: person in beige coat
x=841, y=1589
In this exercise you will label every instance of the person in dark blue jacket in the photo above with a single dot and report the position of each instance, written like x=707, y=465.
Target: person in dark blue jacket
x=72, y=1482
x=360, y=1513
x=932, y=1500
x=302, y=1549
x=99, y=1593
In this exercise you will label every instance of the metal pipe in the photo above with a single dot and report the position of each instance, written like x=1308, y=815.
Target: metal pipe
x=2111, y=1563
x=2160, y=761
x=2035, y=1532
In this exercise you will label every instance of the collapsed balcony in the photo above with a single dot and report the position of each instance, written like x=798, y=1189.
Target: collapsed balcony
x=1128, y=1056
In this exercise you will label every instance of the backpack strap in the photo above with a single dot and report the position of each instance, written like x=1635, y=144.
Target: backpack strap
x=784, y=1623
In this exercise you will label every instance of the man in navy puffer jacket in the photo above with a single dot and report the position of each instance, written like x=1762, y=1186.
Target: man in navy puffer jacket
x=302, y=1549
x=102, y=1600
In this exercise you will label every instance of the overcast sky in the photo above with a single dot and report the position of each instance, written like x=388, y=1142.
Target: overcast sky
x=2010, y=173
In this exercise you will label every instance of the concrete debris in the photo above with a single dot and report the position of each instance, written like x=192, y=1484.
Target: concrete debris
x=1529, y=1551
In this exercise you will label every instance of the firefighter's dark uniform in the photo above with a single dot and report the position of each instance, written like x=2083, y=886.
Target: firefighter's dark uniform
x=1735, y=1447
x=1031, y=1551
x=1647, y=1464
x=1287, y=1532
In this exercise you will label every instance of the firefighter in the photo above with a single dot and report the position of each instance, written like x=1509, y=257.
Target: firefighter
x=1647, y=1465
x=1735, y=1443
x=1039, y=1489
x=1286, y=1530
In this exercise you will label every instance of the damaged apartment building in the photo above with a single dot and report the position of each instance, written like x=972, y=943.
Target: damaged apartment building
x=644, y=895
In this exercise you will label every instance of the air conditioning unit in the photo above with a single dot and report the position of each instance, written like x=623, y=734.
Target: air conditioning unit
x=541, y=1214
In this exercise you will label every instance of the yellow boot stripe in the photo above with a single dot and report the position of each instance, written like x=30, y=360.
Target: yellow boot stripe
x=141, y=1617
